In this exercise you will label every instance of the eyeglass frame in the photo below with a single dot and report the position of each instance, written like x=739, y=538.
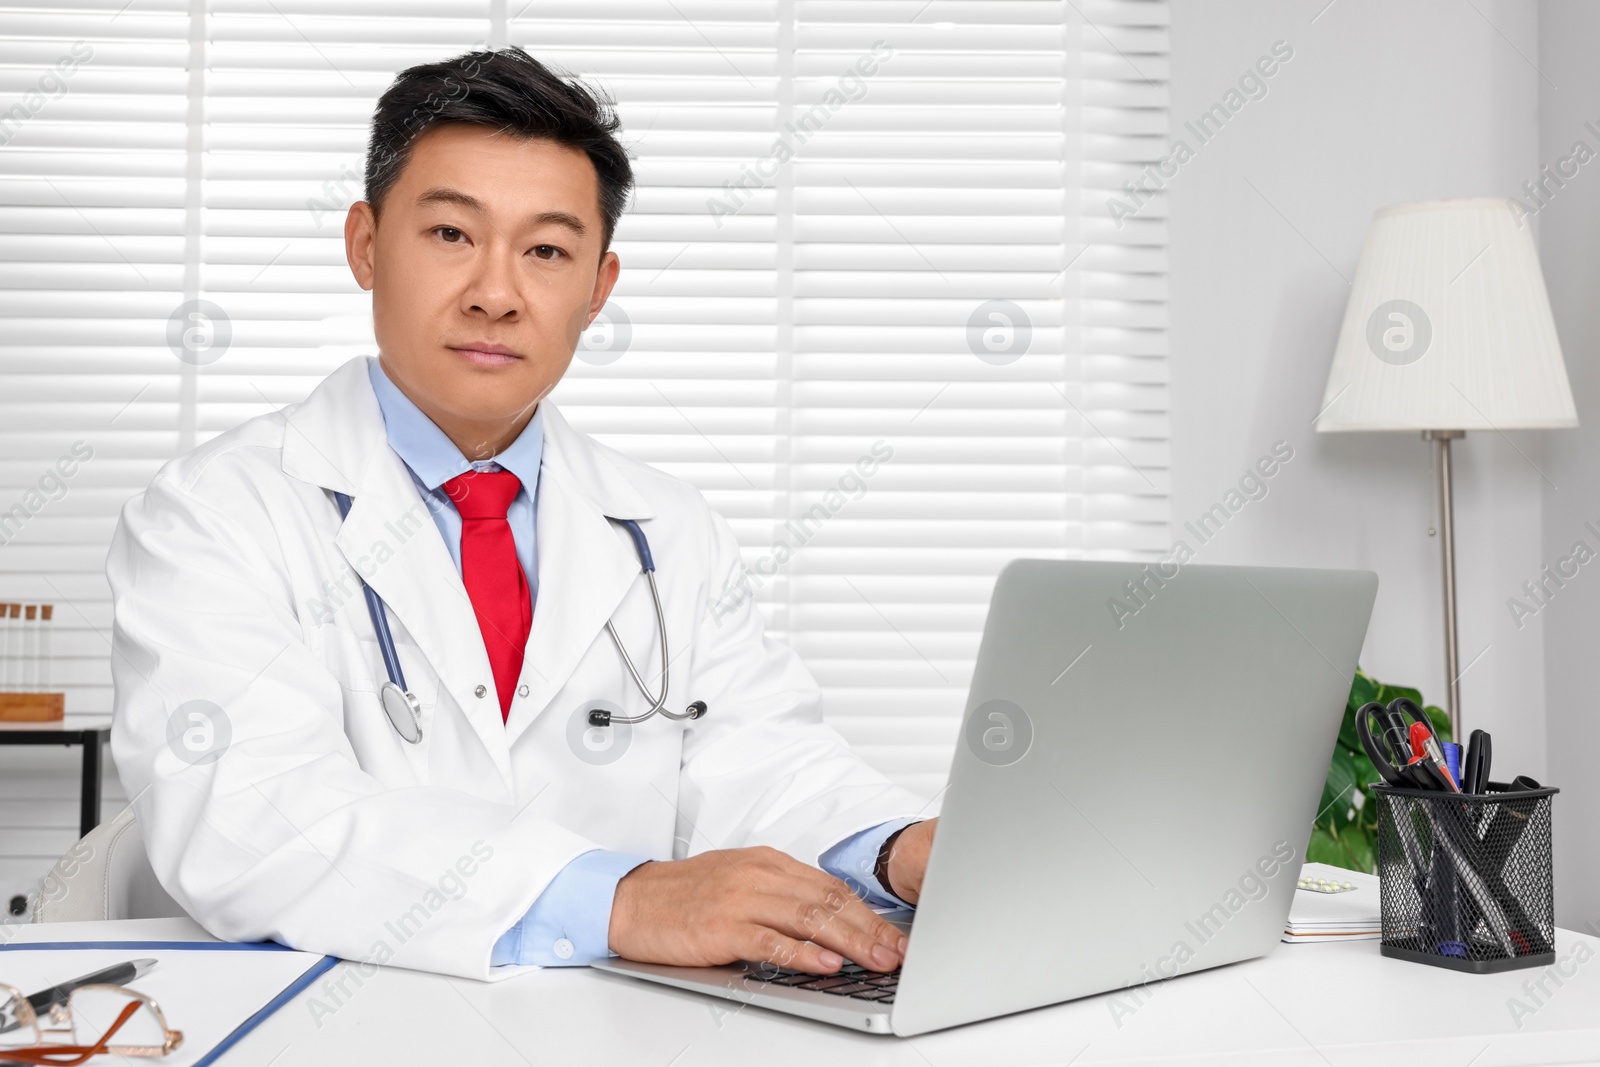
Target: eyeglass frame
x=61, y=1016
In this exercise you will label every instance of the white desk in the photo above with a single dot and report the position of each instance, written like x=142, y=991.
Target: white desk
x=1303, y=1004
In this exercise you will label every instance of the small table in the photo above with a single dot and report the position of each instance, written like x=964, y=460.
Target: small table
x=51, y=733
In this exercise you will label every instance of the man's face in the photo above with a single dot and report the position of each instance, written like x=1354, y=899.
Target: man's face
x=486, y=241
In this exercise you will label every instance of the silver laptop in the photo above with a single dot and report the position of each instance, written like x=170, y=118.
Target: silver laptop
x=1137, y=772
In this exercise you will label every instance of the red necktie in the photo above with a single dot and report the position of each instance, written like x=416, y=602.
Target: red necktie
x=492, y=574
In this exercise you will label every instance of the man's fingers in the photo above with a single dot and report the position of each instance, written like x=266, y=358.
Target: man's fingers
x=766, y=945
x=845, y=926
x=864, y=935
x=756, y=904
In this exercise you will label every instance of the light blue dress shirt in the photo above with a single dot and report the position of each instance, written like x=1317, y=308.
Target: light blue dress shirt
x=569, y=924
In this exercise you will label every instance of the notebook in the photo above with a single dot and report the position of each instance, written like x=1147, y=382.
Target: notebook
x=1351, y=915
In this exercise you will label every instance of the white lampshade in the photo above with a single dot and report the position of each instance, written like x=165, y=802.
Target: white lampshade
x=1448, y=326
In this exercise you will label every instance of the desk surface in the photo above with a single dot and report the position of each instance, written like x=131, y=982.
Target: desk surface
x=1303, y=1004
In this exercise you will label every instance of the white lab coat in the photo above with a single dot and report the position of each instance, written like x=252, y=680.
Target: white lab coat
x=233, y=583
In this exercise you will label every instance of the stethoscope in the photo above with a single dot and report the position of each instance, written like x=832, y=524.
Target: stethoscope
x=405, y=711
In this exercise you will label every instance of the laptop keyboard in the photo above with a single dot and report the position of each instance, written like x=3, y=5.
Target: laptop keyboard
x=852, y=981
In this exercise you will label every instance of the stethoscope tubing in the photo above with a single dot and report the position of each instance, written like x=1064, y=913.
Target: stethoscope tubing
x=658, y=704
x=399, y=704
x=380, y=616
x=597, y=717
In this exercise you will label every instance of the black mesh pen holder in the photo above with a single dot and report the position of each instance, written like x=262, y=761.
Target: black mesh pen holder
x=1466, y=879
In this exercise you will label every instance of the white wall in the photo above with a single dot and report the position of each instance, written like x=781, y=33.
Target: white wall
x=1382, y=102
x=1570, y=242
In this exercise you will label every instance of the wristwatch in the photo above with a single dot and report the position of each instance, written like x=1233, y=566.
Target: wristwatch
x=881, y=871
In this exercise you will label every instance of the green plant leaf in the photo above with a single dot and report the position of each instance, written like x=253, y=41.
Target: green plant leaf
x=1338, y=838
x=1362, y=691
x=1367, y=775
x=1348, y=739
x=1360, y=848
x=1387, y=693
x=1334, y=809
x=1324, y=849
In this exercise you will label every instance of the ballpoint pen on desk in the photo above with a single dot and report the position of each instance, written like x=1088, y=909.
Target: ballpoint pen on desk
x=117, y=974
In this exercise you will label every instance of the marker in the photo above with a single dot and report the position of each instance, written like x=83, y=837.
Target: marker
x=1452, y=760
x=1429, y=775
x=1423, y=744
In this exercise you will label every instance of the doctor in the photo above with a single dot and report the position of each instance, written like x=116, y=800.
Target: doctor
x=277, y=798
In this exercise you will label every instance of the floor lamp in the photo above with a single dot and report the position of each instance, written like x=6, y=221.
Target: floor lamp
x=1448, y=329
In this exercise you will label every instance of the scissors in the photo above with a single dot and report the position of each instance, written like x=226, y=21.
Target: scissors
x=1390, y=750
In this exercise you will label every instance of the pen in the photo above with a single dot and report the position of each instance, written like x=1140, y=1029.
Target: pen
x=1442, y=907
x=118, y=974
x=1429, y=775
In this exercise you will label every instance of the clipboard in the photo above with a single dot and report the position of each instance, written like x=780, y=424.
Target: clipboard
x=267, y=992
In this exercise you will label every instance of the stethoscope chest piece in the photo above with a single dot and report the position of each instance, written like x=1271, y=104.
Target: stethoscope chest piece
x=404, y=711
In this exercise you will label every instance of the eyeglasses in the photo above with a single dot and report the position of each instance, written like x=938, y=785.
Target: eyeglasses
x=95, y=1019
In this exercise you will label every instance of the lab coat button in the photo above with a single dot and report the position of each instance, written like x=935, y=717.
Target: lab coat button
x=522, y=690
x=563, y=949
x=479, y=692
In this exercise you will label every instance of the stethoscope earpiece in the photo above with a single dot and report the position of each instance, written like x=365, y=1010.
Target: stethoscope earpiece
x=602, y=717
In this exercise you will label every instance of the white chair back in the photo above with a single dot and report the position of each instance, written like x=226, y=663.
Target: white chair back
x=106, y=875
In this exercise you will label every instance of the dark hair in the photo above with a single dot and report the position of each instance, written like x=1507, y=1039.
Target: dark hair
x=510, y=92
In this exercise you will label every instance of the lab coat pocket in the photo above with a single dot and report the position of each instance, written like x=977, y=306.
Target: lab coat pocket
x=357, y=662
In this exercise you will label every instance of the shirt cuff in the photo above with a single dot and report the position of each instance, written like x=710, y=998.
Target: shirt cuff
x=854, y=860
x=569, y=925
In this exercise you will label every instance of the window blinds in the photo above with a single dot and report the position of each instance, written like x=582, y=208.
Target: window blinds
x=872, y=301
x=875, y=307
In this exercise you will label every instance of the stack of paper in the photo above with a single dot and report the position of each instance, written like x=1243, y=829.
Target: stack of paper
x=1349, y=916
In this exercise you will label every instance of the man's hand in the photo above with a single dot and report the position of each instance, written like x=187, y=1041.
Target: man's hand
x=753, y=904
x=908, y=860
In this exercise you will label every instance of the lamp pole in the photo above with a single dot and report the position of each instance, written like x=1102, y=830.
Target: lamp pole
x=1452, y=656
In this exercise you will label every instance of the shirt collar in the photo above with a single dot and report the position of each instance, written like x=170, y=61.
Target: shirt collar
x=432, y=456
